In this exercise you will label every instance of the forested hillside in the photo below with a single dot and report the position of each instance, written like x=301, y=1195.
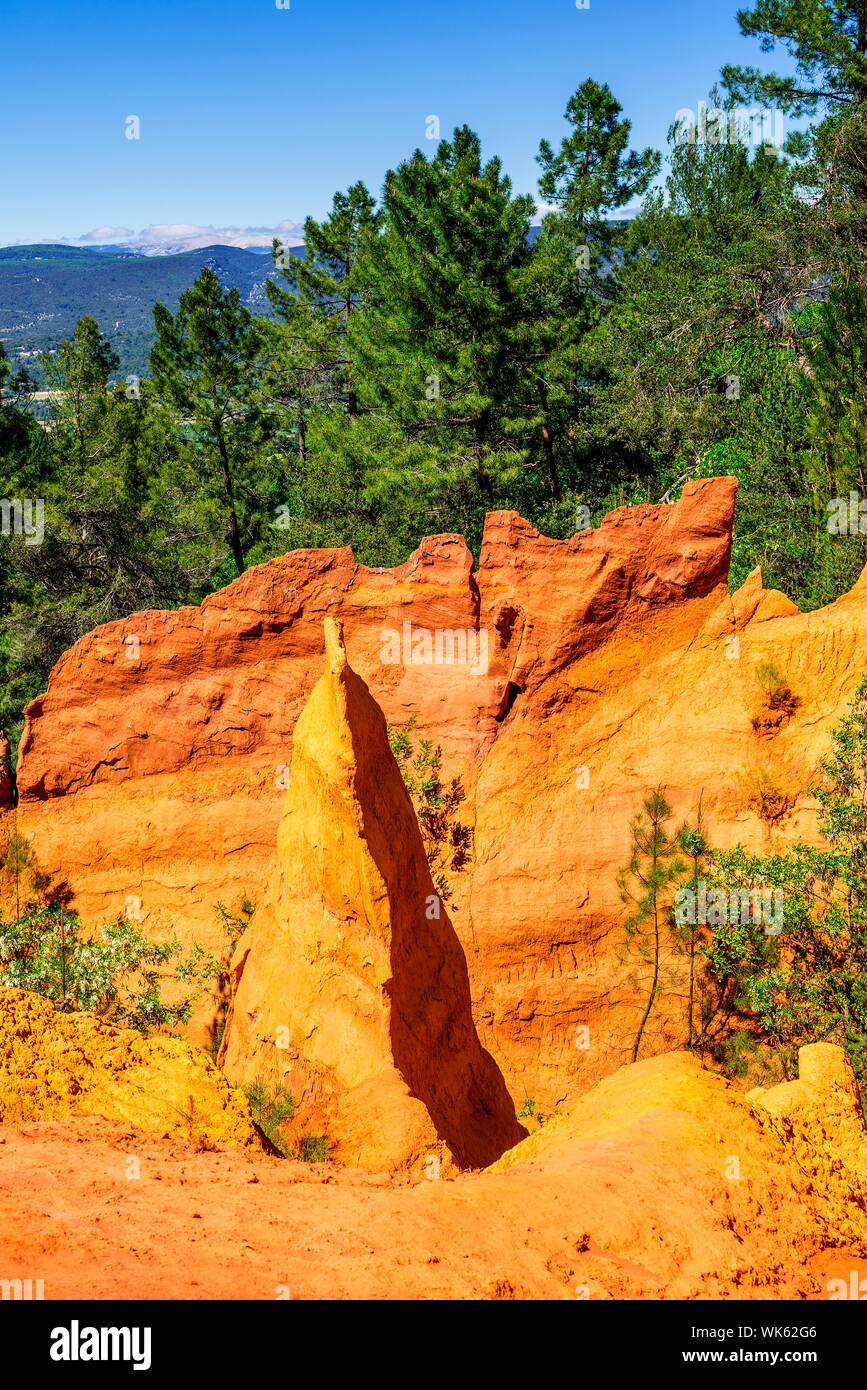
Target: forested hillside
x=429, y=362
x=44, y=290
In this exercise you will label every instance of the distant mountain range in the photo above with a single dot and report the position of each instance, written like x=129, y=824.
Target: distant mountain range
x=173, y=248
x=44, y=290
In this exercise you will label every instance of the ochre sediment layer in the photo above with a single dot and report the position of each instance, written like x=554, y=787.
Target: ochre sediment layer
x=153, y=771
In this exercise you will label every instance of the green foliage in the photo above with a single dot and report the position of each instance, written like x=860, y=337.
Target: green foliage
x=272, y=1107
x=19, y=868
x=204, y=365
x=325, y=288
x=836, y=352
x=806, y=982
x=528, y=1111
x=569, y=282
x=446, y=841
x=771, y=681
x=763, y=794
x=825, y=39
x=234, y=924
x=114, y=972
x=437, y=346
x=119, y=536
x=646, y=883
x=594, y=172
x=687, y=935
x=311, y=1148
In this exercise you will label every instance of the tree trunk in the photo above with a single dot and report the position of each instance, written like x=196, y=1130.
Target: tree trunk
x=548, y=446
x=643, y=1023
x=234, y=533
x=302, y=437
x=691, y=983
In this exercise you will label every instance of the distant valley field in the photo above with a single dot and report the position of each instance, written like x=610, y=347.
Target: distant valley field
x=44, y=290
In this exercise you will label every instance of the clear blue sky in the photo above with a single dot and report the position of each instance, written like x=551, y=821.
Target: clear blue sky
x=253, y=115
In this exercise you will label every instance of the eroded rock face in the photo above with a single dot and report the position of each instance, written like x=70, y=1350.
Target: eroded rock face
x=153, y=766
x=821, y=1113
x=669, y=700
x=54, y=1065
x=155, y=769
x=351, y=987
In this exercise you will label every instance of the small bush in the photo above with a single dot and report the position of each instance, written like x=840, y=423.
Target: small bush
x=447, y=842
x=271, y=1107
x=528, y=1111
x=764, y=795
x=191, y=1117
x=311, y=1148
x=115, y=972
x=780, y=702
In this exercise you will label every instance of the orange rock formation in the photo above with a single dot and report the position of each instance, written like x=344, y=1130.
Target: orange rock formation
x=351, y=988
x=155, y=766
x=54, y=1066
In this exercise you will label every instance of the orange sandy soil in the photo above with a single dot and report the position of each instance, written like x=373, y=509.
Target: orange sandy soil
x=222, y=1225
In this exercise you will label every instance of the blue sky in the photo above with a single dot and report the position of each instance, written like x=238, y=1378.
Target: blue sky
x=252, y=116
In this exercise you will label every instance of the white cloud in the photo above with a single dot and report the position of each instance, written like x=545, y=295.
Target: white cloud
x=620, y=214
x=188, y=236
x=107, y=234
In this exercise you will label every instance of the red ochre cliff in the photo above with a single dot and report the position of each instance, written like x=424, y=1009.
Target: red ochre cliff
x=153, y=772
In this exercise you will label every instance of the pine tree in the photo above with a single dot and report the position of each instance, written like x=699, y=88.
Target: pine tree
x=204, y=363
x=440, y=339
x=592, y=174
x=78, y=374
x=117, y=536
x=836, y=352
x=653, y=869
x=712, y=274
x=19, y=867
x=827, y=39
x=302, y=368
x=16, y=425
x=572, y=278
x=324, y=290
x=692, y=842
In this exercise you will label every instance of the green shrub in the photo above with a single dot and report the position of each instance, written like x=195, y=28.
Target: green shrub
x=311, y=1148
x=446, y=841
x=271, y=1107
x=114, y=972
